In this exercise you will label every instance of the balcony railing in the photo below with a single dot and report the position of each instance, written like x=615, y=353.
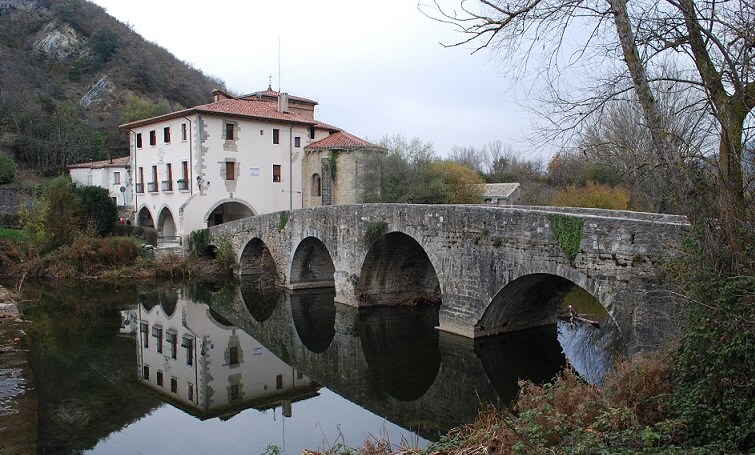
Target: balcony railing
x=152, y=187
x=167, y=185
x=183, y=185
x=140, y=188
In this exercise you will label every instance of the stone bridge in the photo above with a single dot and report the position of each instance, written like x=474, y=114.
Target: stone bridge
x=495, y=269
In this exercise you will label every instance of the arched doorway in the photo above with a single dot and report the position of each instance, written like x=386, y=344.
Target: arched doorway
x=144, y=218
x=228, y=211
x=166, y=225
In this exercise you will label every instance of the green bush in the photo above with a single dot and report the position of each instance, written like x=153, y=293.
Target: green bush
x=715, y=369
x=7, y=169
x=98, y=210
x=53, y=219
x=224, y=254
x=198, y=242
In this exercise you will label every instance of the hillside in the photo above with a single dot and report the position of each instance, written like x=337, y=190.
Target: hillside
x=68, y=70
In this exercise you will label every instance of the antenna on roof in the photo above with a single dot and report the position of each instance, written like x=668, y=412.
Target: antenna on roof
x=270, y=82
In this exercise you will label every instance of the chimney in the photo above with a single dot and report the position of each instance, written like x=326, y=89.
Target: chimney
x=282, y=102
x=219, y=95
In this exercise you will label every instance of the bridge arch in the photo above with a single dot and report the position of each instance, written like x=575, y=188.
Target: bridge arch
x=533, y=299
x=256, y=260
x=311, y=265
x=397, y=269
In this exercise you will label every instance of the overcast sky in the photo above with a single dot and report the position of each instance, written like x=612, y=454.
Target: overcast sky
x=375, y=67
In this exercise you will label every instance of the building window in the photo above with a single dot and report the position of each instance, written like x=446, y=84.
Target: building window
x=316, y=185
x=172, y=338
x=230, y=170
x=276, y=172
x=229, y=131
x=233, y=355
x=276, y=136
x=145, y=372
x=140, y=182
x=168, y=182
x=188, y=344
x=184, y=132
x=116, y=178
x=190, y=394
x=183, y=182
x=160, y=378
x=166, y=135
x=138, y=140
x=234, y=392
x=279, y=382
x=174, y=385
x=152, y=186
x=143, y=328
x=157, y=332
x=297, y=141
x=312, y=132
x=152, y=137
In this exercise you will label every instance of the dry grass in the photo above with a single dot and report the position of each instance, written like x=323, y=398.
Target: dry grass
x=643, y=386
x=566, y=416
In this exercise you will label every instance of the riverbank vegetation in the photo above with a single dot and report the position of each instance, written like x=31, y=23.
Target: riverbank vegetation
x=70, y=233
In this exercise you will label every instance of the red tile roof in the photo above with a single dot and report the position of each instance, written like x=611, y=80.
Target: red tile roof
x=264, y=110
x=255, y=109
x=341, y=141
x=115, y=162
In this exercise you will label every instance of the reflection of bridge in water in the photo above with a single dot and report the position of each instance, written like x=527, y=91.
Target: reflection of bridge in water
x=392, y=361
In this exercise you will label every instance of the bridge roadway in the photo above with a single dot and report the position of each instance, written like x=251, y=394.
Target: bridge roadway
x=495, y=269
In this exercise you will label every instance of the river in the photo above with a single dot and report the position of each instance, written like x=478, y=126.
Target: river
x=205, y=368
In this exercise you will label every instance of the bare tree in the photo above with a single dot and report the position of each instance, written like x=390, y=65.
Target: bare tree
x=470, y=157
x=712, y=41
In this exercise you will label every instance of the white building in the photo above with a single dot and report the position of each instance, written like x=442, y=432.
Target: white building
x=222, y=161
x=206, y=366
x=114, y=175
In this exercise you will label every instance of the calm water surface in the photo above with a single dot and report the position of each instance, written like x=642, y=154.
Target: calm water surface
x=203, y=369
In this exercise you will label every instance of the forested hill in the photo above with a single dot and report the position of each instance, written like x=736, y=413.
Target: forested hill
x=70, y=73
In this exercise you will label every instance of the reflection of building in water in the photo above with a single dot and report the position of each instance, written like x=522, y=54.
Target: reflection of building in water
x=205, y=365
